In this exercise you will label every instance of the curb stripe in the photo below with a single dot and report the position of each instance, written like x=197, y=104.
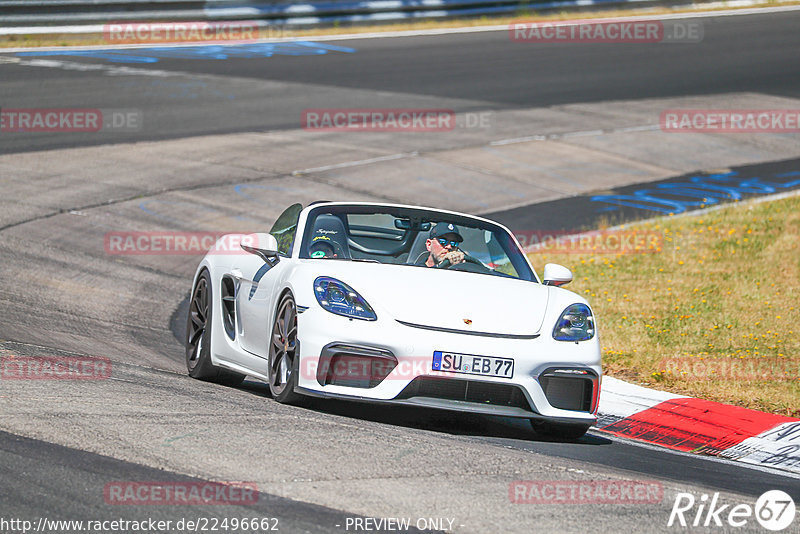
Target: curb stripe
x=696, y=425
x=778, y=447
x=620, y=399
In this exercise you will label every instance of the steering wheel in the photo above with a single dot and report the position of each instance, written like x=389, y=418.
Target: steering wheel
x=327, y=249
x=469, y=264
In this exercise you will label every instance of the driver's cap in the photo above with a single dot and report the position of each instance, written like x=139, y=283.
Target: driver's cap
x=445, y=228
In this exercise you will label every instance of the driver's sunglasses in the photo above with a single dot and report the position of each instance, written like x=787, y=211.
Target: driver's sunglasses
x=444, y=242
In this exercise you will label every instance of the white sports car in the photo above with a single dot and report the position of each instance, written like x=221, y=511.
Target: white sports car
x=396, y=304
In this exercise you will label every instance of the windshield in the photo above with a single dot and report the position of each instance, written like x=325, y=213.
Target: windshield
x=415, y=238
x=285, y=228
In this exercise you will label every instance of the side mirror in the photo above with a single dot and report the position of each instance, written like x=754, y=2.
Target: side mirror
x=556, y=275
x=262, y=245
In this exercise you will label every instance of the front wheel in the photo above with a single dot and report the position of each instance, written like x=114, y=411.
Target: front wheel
x=559, y=430
x=283, y=353
x=198, y=337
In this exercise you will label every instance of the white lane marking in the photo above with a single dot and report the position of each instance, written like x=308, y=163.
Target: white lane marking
x=111, y=70
x=579, y=133
x=355, y=163
x=414, y=33
x=645, y=128
x=585, y=133
x=522, y=139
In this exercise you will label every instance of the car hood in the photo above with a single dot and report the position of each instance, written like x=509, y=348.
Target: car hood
x=445, y=299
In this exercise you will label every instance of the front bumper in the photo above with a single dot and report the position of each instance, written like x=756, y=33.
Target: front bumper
x=552, y=380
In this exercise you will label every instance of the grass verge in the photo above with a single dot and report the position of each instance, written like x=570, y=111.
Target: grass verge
x=712, y=312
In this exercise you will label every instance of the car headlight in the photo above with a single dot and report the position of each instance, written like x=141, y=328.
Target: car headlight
x=341, y=299
x=575, y=324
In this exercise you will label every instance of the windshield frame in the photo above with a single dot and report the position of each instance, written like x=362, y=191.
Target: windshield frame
x=511, y=247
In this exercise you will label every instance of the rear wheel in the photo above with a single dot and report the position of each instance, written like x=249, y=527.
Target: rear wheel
x=283, y=353
x=559, y=430
x=198, y=337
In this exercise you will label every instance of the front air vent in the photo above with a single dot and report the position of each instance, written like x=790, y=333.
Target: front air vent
x=473, y=391
x=354, y=366
x=228, y=291
x=569, y=391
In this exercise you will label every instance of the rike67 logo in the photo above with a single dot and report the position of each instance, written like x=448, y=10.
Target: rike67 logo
x=774, y=510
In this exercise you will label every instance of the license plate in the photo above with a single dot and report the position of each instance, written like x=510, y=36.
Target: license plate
x=469, y=364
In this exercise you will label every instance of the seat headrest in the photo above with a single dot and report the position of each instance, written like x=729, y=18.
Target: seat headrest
x=330, y=227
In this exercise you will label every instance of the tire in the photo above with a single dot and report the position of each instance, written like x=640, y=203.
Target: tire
x=198, y=337
x=283, y=354
x=569, y=431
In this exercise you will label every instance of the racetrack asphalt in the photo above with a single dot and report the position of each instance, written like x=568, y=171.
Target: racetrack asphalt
x=463, y=72
x=56, y=487
x=64, y=295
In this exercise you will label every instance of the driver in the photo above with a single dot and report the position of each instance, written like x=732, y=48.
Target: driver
x=442, y=244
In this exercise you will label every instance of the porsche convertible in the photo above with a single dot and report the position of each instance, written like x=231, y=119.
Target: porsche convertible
x=396, y=304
